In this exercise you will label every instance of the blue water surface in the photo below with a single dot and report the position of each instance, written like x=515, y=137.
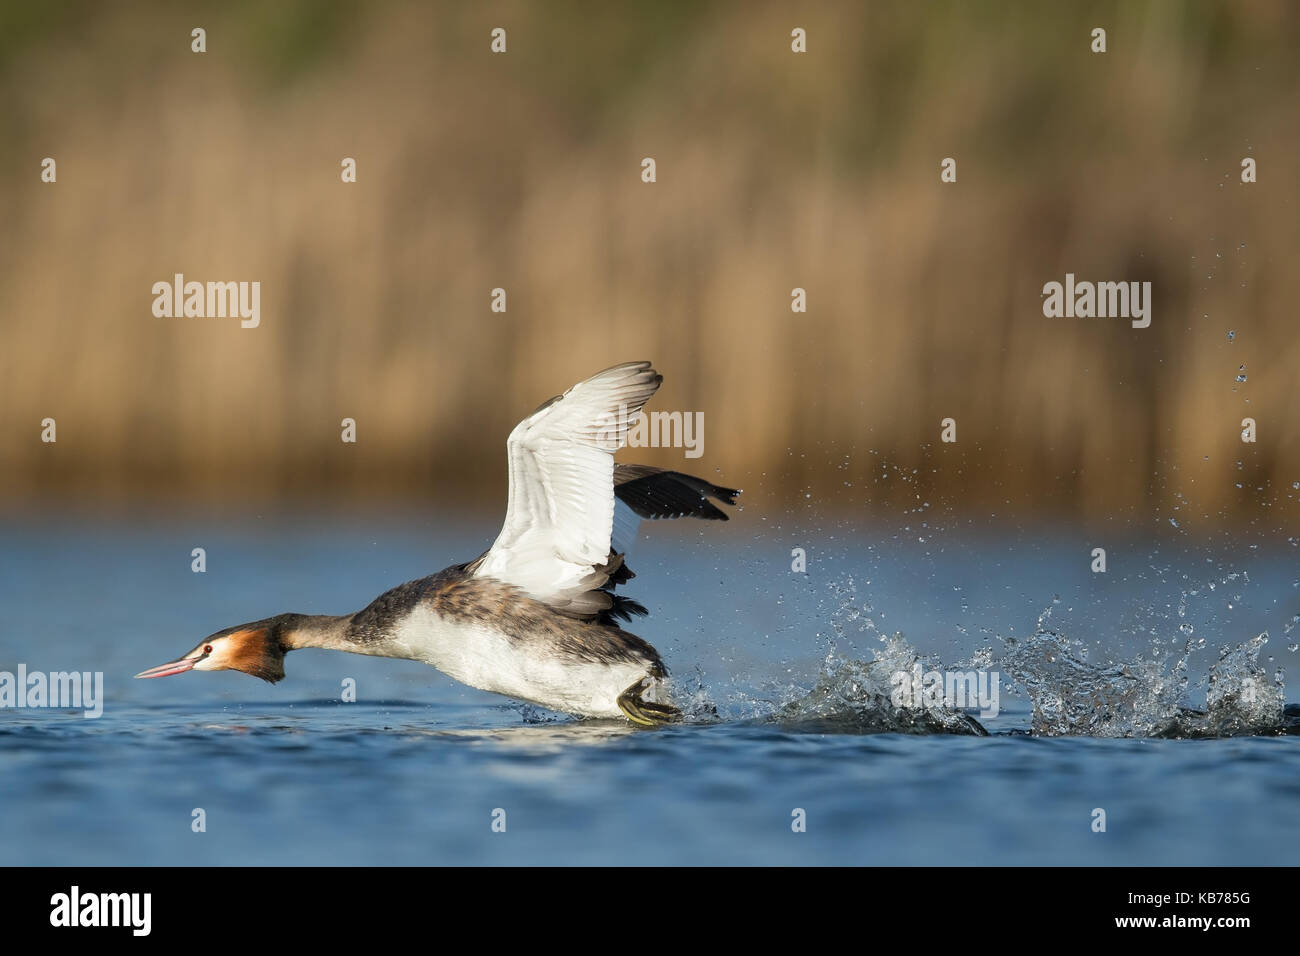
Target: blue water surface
x=417, y=770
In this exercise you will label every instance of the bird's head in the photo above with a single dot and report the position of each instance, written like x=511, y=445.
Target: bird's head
x=257, y=648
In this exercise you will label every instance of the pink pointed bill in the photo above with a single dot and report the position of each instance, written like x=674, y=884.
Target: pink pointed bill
x=166, y=670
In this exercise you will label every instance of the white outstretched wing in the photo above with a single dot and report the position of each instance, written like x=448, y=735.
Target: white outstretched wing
x=555, y=544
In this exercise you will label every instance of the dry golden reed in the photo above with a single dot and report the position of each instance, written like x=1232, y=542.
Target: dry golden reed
x=775, y=170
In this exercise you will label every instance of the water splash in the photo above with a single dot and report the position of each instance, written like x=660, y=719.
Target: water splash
x=1069, y=695
x=1143, y=697
x=1241, y=698
x=849, y=694
x=857, y=696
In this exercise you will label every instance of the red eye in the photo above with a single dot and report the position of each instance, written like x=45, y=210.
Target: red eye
x=207, y=648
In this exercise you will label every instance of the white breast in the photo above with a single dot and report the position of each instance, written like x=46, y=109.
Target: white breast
x=481, y=656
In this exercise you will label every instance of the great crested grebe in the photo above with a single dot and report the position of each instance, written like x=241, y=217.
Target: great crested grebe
x=535, y=616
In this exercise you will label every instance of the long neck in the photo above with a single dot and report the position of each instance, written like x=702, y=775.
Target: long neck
x=319, y=630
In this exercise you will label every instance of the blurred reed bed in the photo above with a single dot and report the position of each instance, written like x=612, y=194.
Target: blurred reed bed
x=775, y=170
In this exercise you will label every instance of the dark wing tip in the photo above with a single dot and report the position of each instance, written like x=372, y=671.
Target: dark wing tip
x=725, y=495
x=655, y=493
x=622, y=609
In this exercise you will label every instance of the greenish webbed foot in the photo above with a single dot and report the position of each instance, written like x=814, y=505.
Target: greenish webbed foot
x=645, y=713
